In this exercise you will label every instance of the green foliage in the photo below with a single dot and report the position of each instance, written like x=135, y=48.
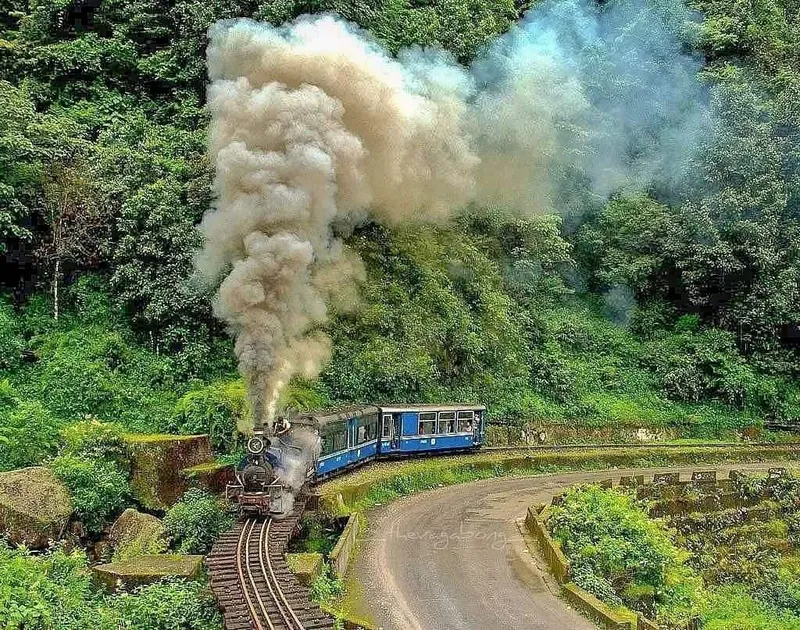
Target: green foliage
x=327, y=588
x=196, y=521
x=95, y=440
x=28, y=432
x=604, y=534
x=44, y=593
x=54, y=591
x=317, y=536
x=733, y=607
x=12, y=342
x=94, y=371
x=215, y=409
x=706, y=365
x=28, y=141
x=435, y=324
x=168, y=605
x=89, y=368
x=622, y=244
x=99, y=489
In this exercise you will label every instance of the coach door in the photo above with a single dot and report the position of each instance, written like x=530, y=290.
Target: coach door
x=393, y=420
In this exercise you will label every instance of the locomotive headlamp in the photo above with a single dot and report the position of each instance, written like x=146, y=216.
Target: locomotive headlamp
x=255, y=445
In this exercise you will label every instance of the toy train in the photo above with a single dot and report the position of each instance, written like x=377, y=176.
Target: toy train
x=346, y=438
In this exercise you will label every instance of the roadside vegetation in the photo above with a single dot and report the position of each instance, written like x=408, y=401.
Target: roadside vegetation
x=728, y=568
x=380, y=483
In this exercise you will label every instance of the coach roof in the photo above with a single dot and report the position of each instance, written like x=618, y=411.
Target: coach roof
x=445, y=407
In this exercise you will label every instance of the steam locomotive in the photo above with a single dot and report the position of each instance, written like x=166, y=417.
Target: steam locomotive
x=328, y=442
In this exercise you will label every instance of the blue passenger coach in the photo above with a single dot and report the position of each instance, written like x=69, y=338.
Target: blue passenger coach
x=349, y=436
x=353, y=435
x=428, y=428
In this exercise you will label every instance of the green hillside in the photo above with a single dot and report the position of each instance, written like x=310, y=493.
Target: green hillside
x=636, y=311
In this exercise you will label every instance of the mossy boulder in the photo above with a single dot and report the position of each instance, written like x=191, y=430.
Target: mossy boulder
x=147, y=570
x=136, y=534
x=156, y=465
x=212, y=476
x=34, y=506
x=306, y=566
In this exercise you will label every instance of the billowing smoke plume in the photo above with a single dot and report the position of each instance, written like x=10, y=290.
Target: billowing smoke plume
x=312, y=125
x=315, y=128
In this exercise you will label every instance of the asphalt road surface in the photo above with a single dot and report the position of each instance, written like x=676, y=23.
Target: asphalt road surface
x=455, y=559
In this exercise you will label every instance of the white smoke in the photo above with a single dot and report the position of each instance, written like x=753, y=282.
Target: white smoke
x=299, y=449
x=315, y=128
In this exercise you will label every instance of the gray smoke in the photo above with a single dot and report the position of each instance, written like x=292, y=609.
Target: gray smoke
x=298, y=450
x=619, y=302
x=586, y=96
x=315, y=128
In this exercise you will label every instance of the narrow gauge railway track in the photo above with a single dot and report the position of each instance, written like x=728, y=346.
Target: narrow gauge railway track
x=254, y=586
x=634, y=445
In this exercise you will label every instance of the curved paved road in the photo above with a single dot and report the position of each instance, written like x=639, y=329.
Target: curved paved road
x=454, y=558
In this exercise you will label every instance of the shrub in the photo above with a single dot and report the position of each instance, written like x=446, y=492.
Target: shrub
x=54, y=591
x=695, y=366
x=95, y=371
x=11, y=340
x=733, y=607
x=99, y=489
x=51, y=591
x=196, y=521
x=603, y=533
x=91, y=439
x=216, y=409
x=28, y=432
x=584, y=577
x=327, y=587
x=167, y=605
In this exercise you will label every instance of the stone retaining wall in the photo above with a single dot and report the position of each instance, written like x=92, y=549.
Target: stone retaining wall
x=593, y=607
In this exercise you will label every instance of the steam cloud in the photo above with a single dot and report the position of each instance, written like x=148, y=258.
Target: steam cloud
x=315, y=128
x=297, y=452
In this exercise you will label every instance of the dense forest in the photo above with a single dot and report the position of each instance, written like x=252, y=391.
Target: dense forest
x=642, y=309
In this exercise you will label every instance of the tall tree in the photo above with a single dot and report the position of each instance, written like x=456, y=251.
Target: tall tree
x=76, y=221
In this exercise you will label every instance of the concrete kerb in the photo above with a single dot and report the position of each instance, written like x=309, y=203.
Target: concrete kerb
x=343, y=550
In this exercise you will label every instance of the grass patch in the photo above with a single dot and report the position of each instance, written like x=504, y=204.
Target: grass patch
x=382, y=482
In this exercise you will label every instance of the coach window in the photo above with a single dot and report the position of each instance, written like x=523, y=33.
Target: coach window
x=334, y=438
x=465, y=419
x=447, y=422
x=387, y=425
x=427, y=423
x=367, y=429
x=327, y=444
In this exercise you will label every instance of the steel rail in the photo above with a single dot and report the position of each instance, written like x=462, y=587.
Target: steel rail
x=265, y=552
x=263, y=543
x=244, y=539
